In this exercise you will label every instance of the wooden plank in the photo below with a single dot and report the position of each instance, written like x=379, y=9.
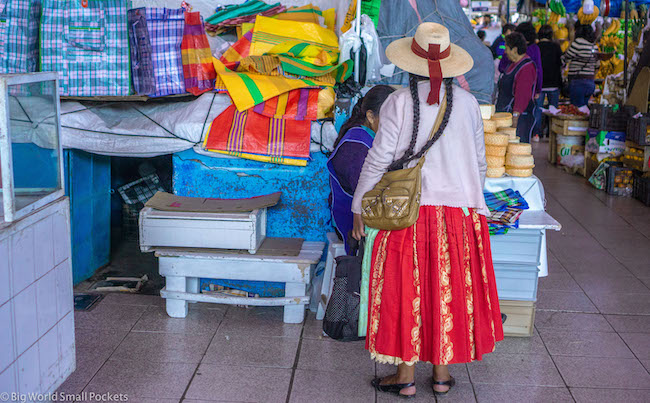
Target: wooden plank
x=520, y=317
x=234, y=300
x=310, y=254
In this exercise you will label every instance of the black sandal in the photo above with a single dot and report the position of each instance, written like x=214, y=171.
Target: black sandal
x=394, y=388
x=451, y=383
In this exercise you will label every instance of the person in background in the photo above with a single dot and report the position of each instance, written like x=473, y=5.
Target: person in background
x=481, y=36
x=582, y=63
x=350, y=150
x=551, y=55
x=527, y=29
x=498, y=47
x=516, y=87
x=432, y=293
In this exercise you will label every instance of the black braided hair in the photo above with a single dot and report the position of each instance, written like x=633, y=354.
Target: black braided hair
x=408, y=155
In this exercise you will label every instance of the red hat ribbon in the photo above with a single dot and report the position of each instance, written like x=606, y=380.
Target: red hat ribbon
x=433, y=56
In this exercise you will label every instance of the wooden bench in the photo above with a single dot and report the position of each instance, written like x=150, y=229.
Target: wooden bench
x=184, y=267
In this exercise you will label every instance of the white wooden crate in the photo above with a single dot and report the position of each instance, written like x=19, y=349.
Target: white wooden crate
x=244, y=231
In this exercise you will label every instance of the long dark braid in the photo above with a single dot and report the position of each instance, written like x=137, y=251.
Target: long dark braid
x=408, y=155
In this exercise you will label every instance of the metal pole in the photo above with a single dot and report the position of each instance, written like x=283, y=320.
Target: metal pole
x=627, y=18
x=357, y=29
x=508, y=12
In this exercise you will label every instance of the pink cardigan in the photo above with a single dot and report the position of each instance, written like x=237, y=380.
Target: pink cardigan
x=454, y=171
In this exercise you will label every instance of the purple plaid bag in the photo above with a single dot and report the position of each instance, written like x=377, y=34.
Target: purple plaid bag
x=155, y=35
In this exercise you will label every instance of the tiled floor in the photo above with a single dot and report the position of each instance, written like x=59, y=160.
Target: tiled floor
x=591, y=343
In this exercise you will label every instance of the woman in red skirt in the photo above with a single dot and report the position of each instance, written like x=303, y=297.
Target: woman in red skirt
x=432, y=294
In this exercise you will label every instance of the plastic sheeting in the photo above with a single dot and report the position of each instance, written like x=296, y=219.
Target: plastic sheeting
x=397, y=19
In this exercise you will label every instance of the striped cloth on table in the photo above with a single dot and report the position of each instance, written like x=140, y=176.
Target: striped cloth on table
x=198, y=68
x=299, y=104
x=269, y=32
x=88, y=46
x=250, y=89
x=505, y=208
x=239, y=50
x=248, y=133
x=19, y=24
x=307, y=52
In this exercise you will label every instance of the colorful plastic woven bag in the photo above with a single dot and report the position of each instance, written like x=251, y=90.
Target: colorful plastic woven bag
x=269, y=32
x=165, y=28
x=197, y=57
x=88, y=44
x=245, y=134
x=19, y=21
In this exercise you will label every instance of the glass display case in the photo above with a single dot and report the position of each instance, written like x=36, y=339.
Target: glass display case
x=31, y=161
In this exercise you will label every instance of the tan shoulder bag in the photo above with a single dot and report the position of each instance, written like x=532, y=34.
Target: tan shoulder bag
x=394, y=202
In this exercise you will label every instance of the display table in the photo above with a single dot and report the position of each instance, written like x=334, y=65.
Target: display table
x=519, y=256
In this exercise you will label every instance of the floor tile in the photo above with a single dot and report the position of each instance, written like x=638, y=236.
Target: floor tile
x=155, y=319
x=591, y=372
x=558, y=282
x=630, y=323
x=639, y=343
x=585, y=343
x=521, y=369
x=521, y=345
x=256, y=312
x=633, y=304
x=240, y=384
x=645, y=280
x=314, y=329
x=89, y=361
x=517, y=394
x=608, y=285
x=99, y=339
x=163, y=347
x=253, y=326
x=592, y=395
x=133, y=299
x=571, y=321
x=564, y=301
x=335, y=356
x=646, y=364
x=279, y=352
x=143, y=379
x=106, y=316
x=462, y=392
x=316, y=386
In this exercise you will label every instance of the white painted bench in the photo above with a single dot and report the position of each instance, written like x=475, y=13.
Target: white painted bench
x=184, y=267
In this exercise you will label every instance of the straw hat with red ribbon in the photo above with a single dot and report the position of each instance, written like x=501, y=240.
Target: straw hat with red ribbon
x=430, y=54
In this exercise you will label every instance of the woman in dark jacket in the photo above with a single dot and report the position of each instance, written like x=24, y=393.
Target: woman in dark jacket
x=350, y=150
x=551, y=54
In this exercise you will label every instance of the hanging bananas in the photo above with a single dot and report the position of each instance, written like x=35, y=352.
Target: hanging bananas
x=587, y=19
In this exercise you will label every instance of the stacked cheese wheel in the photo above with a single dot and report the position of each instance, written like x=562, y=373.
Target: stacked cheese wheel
x=511, y=132
x=519, y=160
x=497, y=128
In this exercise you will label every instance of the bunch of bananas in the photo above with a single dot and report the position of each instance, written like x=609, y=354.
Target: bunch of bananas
x=613, y=28
x=587, y=19
x=553, y=18
x=610, y=43
x=561, y=33
x=557, y=7
x=609, y=67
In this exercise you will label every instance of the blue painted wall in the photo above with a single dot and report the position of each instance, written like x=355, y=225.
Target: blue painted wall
x=88, y=184
x=303, y=211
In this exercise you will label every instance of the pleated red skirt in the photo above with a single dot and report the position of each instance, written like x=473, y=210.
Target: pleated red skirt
x=433, y=295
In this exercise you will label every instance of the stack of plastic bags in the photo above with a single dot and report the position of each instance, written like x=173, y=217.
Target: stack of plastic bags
x=505, y=208
x=280, y=76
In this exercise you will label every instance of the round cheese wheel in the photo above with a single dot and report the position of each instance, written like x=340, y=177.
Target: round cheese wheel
x=510, y=131
x=520, y=161
x=494, y=161
x=515, y=140
x=495, y=151
x=522, y=173
x=496, y=172
x=520, y=149
x=496, y=139
x=502, y=119
x=489, y=126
